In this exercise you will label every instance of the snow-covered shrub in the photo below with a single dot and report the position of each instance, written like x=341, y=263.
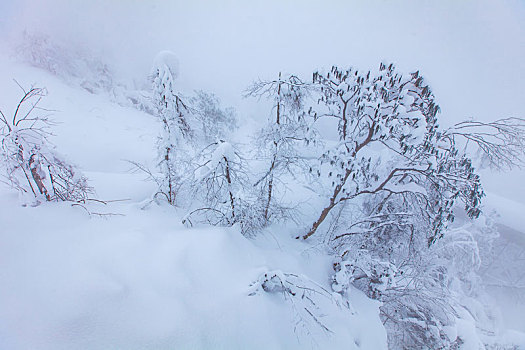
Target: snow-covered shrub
x=31, y=163
x=363, y=271
x=424, y=290
x=38, y=51
x=305, y=296
x=416, y=304
x=383, y=252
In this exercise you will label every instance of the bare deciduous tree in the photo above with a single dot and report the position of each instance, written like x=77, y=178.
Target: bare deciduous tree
x=389, y=143
x=32, y=165
x=283, y=139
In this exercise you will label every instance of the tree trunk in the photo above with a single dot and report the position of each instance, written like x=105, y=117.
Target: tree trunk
x=171, y=196
x=38, y=179
x=267, y=207
x=326, y=210
x=270, y=188
x=272, y=167
x=338, y=188
x=228, y=178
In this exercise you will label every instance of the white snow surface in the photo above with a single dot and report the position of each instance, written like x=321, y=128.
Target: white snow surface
x=140, y=279
x=136, y=278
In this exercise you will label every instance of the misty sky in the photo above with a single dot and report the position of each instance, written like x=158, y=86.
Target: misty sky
x=472, y=52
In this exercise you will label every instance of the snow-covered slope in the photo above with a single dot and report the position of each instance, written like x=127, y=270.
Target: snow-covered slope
x=130, y=275
x=135, y=277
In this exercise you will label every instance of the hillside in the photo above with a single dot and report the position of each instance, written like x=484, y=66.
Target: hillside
x=262, y=175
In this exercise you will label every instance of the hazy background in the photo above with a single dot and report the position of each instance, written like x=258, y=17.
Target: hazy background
x=472, y=51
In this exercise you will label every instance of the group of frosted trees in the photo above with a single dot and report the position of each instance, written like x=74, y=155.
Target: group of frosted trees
x=387, y=186
x=198, y=168
x=204, y=172
x=382, y=181
x=389, y=149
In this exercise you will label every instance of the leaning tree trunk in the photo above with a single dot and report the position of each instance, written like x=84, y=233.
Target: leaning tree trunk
x=339, y=187
x=327, y=209
x=37, y=178
x=274, y=161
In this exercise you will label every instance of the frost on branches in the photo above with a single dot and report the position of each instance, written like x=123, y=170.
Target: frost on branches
x=424, y=291
x=187, y=125
x=218, y=189
x=282, y=141
x=31, y=164
x=176, y=132
x=390, y=185
x=390, y=145
x=214, y=122
x=396, y=181
x=307, y=299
